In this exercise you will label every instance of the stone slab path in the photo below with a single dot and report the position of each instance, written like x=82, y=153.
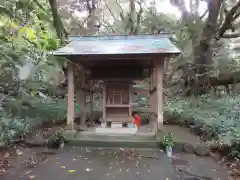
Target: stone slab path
x=78, y=163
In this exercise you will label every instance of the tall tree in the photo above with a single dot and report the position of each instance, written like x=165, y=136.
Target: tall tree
x=221, y=17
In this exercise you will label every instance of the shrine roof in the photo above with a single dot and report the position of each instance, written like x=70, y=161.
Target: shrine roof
x=118, y=45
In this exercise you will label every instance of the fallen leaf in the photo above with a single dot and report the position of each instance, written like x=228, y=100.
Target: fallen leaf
x=19, y=153
x=71, y=170
x=32, y=177
x=2, y=171
x=6, y=154
x=28, y=172
x=88, y=169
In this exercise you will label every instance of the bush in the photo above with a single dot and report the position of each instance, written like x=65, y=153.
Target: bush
x=17, y=120
x=56, y=139
x=219, y=118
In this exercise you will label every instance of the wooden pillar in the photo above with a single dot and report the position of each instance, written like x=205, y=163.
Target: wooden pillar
x=70, y=107
x=104, y=102
x=91, y=107
x=83, y=108
x=150, y=99
x=159, y=93
x=130, y=99
x=154, y=98
x=152, y=89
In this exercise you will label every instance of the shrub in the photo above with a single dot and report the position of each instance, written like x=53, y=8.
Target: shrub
x=216, y=117
x=17, y=120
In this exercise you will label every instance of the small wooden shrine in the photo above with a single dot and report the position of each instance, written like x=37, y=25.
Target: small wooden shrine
x=117, y=101
x=118, y=61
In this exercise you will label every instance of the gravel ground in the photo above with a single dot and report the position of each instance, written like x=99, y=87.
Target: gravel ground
x=77, y=163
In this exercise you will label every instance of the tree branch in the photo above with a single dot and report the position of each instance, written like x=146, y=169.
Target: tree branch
x=108, y=27
x=204, y=14
x=57, y=23
x=110, y=11
x=22, y=25
x=180, y=4
x=139, y=15
x=131, y=20
x=236, y=15
x=233, y=35
x=228, y=20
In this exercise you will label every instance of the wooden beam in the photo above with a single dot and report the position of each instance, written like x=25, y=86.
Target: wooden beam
x=118, y=79
x=70, y=108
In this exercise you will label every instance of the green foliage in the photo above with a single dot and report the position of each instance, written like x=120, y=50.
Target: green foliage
x=16, y=122
x=216, y=118
x=56, y=139
x=12, y=129
x=26, y=37
x=168, y=140
x=141, y=103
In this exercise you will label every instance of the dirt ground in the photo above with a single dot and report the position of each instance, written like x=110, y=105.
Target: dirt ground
x=77, y=163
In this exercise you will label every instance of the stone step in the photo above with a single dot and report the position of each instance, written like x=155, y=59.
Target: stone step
x=116, y=137
x=116, y=130
x=110, y=143
x=138, y=140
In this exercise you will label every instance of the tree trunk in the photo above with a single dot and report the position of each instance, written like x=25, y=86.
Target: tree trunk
x=132, y=14
x=57, y=22
x=203, y=51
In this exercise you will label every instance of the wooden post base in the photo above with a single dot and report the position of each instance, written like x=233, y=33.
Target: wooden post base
x=69, y=127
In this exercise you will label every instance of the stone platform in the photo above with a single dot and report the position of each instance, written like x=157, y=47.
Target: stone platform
x=125, y=137
x=119, y=131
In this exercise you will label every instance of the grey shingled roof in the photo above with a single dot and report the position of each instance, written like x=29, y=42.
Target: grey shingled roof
x=118, y=44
